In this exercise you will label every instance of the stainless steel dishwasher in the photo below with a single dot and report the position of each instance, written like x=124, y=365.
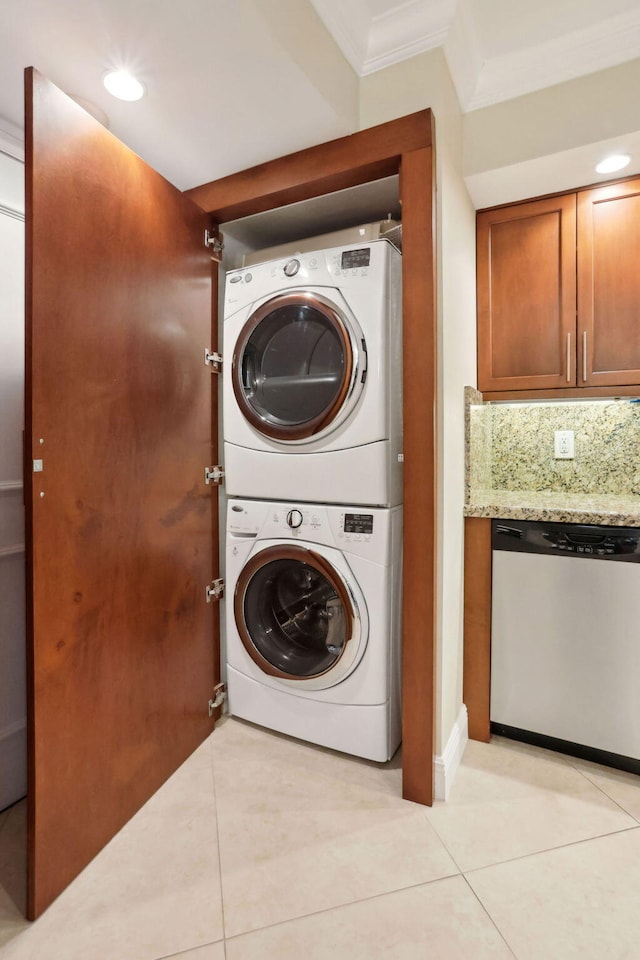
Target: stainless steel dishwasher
x=565, y=641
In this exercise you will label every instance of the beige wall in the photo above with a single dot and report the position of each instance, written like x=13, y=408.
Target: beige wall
x=551, y=139
x=421, y=82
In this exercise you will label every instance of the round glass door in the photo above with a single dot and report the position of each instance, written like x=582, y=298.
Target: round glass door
x=293, y=613
x=293, y=366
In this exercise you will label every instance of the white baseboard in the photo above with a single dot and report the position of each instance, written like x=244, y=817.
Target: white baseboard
x=446, y=765
x=13, y=763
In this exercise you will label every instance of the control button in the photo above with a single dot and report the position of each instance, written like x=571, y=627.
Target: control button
x=235, y=279
x=248, y=277
x=313, y=263
x=291, y=268
x=294, y=519
x=588, y=549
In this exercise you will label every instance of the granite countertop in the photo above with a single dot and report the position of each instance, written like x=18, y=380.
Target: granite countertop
x=609, y=509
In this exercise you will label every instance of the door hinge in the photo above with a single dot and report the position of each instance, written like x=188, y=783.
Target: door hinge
x=215, y=590
x=213, y=474
x=215, y=244
x=219, y=697
x=214, y=359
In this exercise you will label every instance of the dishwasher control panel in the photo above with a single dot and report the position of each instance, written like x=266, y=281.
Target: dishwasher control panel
x=577, y=539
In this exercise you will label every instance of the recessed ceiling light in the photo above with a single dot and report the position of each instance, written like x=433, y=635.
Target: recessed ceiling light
x=615, y=162
x=122, y=85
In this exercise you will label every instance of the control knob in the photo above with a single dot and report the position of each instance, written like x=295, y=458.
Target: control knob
x=294, y=519
x=291, y=268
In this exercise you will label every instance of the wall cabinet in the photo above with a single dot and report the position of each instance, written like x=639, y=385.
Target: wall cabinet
x=608, y=272
x=559, y=291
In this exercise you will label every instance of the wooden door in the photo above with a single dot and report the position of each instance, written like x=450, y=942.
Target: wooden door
x=527, y=295
x=609, y=284
x=122, y=653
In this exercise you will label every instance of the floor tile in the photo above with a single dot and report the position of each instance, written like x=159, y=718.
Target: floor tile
x=235, y=739
x=302, y=831
x=510, y=800
x=153, y=891
x=441, y=920
x=212, y=951
x=622, y=787
x=13, y=858
x=579, y=901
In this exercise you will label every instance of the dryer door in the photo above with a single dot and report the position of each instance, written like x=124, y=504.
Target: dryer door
x=297, y=618
x=297, y=366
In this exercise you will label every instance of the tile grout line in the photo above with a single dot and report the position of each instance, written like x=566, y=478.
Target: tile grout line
x=343, y=906
x=561, y=846
x=604, y=792
x=490, y=918
x=215, y=800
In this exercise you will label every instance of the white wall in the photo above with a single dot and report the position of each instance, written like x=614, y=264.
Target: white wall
x=12, y=654
x=424, y=81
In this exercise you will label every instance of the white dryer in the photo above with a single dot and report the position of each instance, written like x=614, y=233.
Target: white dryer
x=312, y=399
x=313, y=622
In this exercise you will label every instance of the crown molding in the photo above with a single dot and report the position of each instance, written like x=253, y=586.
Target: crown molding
x=349, y=29
x=11, y=139
x=371, y=43
x=572, y=55
x=405, y=31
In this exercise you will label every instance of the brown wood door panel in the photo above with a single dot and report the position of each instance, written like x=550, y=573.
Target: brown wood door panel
x=609, y=284
x=477, y=626
x=527, y=295
x=121, y=643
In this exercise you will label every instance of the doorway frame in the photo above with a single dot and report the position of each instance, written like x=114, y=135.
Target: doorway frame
x=403, y=147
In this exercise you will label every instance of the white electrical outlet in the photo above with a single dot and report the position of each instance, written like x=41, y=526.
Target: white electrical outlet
x=563, y=445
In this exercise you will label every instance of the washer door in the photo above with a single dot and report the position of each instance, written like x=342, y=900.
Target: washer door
x=297, y=618
x=296, y=366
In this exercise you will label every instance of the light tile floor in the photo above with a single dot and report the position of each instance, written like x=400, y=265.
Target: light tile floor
x=264, y=847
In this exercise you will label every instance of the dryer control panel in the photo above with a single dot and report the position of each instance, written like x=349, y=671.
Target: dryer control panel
x=360, y=524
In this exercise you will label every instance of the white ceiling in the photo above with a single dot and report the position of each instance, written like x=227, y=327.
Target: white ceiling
x=232, y=83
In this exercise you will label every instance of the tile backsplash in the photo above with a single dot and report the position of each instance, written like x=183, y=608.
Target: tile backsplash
x=511, y=446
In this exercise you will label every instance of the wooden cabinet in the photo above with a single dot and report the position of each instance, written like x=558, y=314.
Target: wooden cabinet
x=559, y=292
x=527, y=295
x=609, y=284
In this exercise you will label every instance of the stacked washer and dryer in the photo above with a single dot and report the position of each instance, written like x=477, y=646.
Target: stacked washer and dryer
x=312, y=415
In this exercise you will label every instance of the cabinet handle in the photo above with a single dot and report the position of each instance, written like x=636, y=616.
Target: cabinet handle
x=584, y=356
x=568, y=358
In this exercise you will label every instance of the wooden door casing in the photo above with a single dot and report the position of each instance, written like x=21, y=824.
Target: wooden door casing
x=122, y=651
x=526, y=274
x=405, y=146
x=609, y=284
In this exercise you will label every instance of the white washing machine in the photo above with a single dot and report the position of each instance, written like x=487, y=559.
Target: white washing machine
x=313, y=622
x=312, y=399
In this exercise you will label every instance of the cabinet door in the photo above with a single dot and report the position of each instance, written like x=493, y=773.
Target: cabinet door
x=609, y=284
x=121, y=643
x=527, y=295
